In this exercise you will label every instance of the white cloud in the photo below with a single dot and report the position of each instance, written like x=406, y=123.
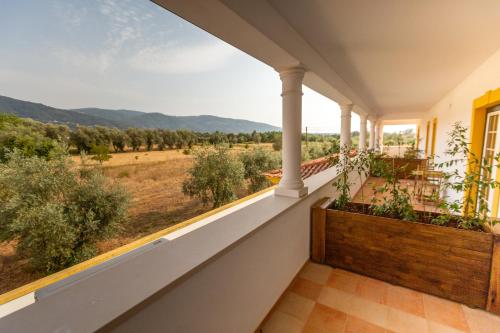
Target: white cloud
x=99, y=61
x=179, y=59
x=69, y=13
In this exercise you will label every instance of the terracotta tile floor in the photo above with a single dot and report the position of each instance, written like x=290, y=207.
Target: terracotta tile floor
x=378, y=182
x=326, y=300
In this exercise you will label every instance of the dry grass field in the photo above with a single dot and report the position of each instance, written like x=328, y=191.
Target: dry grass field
x=153, y=179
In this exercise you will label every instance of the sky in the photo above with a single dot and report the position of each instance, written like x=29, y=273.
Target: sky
x=132, y=54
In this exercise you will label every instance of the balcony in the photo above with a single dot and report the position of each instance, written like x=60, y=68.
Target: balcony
x=246, y=266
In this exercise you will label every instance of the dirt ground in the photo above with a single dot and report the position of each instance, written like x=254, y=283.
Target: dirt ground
x=154, y=180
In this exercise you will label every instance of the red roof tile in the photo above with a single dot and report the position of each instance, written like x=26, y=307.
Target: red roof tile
x=307, y=169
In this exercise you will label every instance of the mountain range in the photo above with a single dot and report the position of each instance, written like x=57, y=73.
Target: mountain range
x=127, y=118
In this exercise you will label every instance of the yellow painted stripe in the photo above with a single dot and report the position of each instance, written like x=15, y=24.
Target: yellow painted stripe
x=427, y=138
x=45, y=281
x=418, y=137
x=434, y=131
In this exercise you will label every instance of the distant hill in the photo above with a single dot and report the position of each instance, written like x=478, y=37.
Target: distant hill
x=128, y=118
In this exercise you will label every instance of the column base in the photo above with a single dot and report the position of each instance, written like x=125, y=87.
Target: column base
x=291, y=193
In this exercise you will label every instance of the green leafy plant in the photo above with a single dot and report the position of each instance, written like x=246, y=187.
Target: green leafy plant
x=474, y=184
x=378, y=165
x=256, y=162
x=397, y=204
x=101, y=153
x=56, y=213
x=215, y=176
x=361, y=165
x=344, y=165
x=412, y=152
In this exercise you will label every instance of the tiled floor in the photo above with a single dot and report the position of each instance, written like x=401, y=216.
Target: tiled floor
x=327, y=300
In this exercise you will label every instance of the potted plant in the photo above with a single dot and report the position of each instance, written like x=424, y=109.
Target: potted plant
x=447, y=254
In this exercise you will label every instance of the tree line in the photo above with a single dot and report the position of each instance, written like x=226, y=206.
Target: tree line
x=83, y=138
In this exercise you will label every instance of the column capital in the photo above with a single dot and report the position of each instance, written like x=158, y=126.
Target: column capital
x=363, y=118
x=291, y=79
x=346, y=108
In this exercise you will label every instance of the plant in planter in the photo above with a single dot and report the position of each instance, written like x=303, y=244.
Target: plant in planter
x=378, y=166
x=344, y=165
x=390, y=241
x=361, y=164
x=475, y=184
x=412, y=152
x=398, y=203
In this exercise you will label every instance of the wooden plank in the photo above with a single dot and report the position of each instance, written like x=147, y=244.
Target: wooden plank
x=478, y=241
x=494, y=290
x=412, y=239
x=318, y=231
x=447, y=262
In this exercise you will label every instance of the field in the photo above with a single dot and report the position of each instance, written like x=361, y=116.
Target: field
x=154, y=180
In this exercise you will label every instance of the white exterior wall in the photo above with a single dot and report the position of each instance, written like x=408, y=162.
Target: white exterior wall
x=236, y=290
x=457, y=105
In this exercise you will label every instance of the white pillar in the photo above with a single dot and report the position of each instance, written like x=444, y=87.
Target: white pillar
x=291, y=184
x=345, y=125
x=362, y=131
x=379, y=135
x=372, y=134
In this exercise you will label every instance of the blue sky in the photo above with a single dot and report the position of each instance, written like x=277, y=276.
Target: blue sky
x=133, y=54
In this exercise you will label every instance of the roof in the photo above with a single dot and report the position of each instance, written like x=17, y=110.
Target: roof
x=307, y=169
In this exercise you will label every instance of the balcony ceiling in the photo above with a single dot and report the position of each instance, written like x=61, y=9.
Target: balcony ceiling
x=385, y=56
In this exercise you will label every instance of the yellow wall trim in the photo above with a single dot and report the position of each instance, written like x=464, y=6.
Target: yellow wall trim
x=45, y=281
x=427, y=132
x=434, y=131
x=417, y=143
x=477, y=129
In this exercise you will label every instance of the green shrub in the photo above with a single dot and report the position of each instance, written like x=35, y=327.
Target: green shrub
x=56, y=214
x=25, y=135
x=256, y=162
x=101, y=153
x=215, y=176
x=278, y=143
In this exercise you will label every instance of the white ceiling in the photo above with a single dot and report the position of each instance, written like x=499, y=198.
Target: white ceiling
x=388, y=57
x=399, y=56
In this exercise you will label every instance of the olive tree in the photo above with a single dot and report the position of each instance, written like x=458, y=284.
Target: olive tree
x=215, y=176
x=56, y=213
x=256, y=162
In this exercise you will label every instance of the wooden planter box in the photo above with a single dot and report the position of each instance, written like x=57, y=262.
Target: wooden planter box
x=460, y=265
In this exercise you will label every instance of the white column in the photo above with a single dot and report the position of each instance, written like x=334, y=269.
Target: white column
x=372, y=134
x=291, y=184
x=362, y=131
x=345, y=125
x=379, y=135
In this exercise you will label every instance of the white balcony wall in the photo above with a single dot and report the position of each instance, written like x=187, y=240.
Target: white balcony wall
x=457, y=105
x=235, y=290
